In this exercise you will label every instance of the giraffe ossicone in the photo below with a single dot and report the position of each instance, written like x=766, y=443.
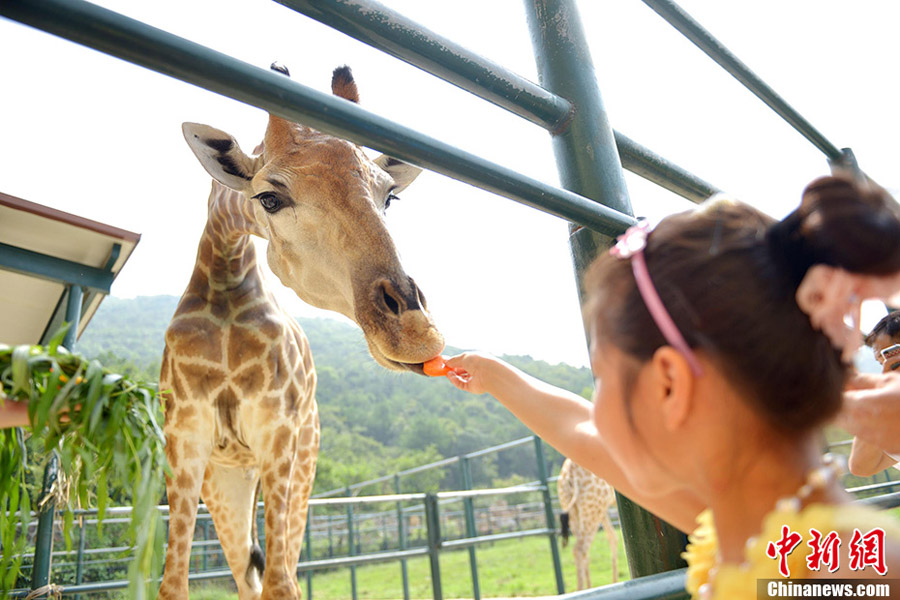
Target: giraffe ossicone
x=237, y=373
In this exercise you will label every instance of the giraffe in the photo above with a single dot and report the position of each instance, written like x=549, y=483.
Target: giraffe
x=585, y=500
x=238, y=373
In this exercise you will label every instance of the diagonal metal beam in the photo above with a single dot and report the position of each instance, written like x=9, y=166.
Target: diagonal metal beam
x=51, y=268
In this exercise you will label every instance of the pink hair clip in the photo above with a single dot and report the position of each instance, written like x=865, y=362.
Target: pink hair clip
x=633, y=241
x=631, y=246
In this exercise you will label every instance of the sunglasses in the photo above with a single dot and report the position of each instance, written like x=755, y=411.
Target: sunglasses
x=892, y=354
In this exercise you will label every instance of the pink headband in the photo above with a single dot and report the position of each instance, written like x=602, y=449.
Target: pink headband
x=631, y=245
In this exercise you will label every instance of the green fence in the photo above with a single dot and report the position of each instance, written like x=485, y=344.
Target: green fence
x=437, y=513
x=567, y=103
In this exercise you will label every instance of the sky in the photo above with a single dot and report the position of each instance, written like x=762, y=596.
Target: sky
x=93, y=135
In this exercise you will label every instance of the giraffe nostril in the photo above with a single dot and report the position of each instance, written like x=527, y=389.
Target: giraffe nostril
x=388, y=296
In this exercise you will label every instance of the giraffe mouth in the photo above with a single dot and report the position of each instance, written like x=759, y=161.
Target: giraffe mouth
x=417, y=368
x=395, y=365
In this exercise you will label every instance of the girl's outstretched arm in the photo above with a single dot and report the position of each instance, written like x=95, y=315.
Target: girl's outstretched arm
x=563, y=420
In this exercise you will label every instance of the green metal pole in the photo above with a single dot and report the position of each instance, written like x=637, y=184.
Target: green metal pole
x=43, y=544
x=589, y=164
x=205, y=547
x=73, y=315
x=40, y=575
x=351, y=546
x=548, y=514
x=308, y=535
x=401, y=537
x=330, y=540
x=469, y=509
x=433, y=529
x=703, y=39
x=79, y=568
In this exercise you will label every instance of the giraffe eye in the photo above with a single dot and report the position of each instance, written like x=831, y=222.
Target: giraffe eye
x=389, y=199
x=270, y=202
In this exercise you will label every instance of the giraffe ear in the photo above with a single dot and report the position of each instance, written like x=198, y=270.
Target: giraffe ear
x=403, y=174
x=220, y=155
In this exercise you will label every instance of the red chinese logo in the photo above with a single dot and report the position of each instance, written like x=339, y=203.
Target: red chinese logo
x=868, y=551
x=865, y=550
x=824, y=550
x=783, y=547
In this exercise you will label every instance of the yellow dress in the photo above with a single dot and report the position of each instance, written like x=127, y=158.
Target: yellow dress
x=735, y=582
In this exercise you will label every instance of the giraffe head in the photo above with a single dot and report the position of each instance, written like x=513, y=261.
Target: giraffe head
x=320, y=203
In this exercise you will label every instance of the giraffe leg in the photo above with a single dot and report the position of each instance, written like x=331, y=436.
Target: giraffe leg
x=187, y=461
x=303, y=476
x=613, y=544
x=578, y=550
x=280, y=577
x=587, y=529
x=229, y=493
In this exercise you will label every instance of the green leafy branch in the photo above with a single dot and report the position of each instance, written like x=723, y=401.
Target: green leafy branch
x=105, y=430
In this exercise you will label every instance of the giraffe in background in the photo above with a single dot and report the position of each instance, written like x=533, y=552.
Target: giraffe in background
x=240, y=402
x=585, y=500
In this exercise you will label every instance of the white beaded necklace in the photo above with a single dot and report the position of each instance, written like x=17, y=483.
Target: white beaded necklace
x=832, y=467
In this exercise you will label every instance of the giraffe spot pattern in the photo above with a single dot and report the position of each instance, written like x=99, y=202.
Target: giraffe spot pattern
x=195, y=337
x=250, y=380
x=243, y=344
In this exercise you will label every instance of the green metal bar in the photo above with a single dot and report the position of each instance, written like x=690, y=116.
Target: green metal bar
x=433, y=528
x=73, y=315
x=494, y=537
x=645, y=163
x=205, y=559
x=43, y=543
x=389, y=31
x=513, y=444
x=330, y=540
x=79, y=567
x=382, y=28
x=365, y=559
x=308, y=537
x=884, y=501
x=351, y=547
x=589, y=164
x=663, y=586
x=160, y=51
x=51, y=268
x=401, y=539
x=548, y=514
x=703, y=39
x=465, y=472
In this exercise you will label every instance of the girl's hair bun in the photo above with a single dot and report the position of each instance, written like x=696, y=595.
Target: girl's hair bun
x=844, y=222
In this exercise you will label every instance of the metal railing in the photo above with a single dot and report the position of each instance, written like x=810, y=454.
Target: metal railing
x=435, y=514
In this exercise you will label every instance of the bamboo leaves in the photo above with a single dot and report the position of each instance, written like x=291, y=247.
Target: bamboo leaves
x=105, y=430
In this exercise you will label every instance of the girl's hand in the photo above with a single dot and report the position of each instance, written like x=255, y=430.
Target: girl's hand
x=473, y=372
x=872, y=409
x=14, y=414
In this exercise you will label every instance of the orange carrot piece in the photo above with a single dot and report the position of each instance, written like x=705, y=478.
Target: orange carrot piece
x=436, y=367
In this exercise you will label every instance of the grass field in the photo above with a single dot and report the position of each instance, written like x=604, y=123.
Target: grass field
x=512, y=568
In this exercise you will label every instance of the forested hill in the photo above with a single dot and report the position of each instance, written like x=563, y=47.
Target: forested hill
x=374, y=422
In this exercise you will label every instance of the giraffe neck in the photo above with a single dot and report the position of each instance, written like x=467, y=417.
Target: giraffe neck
x=227, y=256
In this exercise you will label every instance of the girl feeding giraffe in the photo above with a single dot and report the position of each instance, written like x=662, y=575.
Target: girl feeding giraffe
x=720, y=349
